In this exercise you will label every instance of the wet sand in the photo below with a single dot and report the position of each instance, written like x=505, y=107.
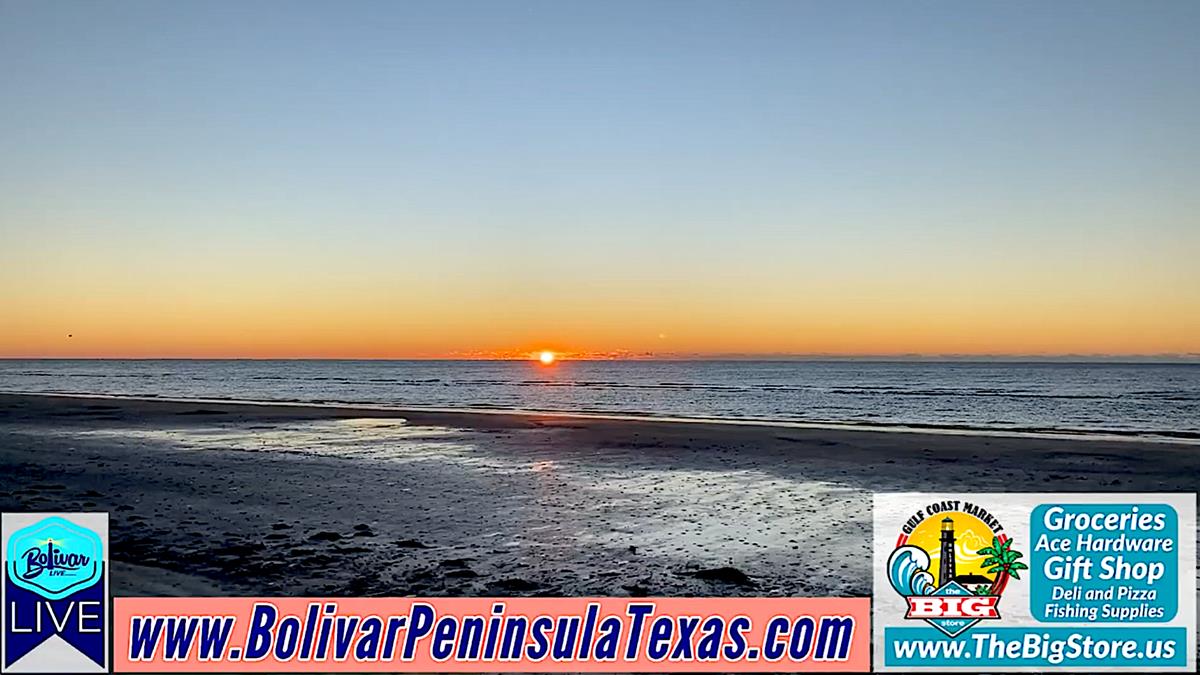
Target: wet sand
x=225, y=498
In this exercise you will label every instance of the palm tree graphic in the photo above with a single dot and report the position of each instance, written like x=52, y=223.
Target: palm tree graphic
x=1001, y=561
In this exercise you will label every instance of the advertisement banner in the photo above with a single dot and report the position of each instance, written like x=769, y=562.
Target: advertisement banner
x=1035, y=582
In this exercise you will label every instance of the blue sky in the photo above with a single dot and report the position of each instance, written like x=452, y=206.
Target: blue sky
x=821, y=166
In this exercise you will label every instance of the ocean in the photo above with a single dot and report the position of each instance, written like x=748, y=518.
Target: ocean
x=1117, y=398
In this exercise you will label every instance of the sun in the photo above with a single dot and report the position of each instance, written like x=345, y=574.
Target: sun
x=546, y=357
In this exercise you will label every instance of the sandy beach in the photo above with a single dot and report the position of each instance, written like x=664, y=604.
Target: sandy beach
x=225, y=498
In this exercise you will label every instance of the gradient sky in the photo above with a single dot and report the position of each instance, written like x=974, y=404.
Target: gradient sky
x=406, y=179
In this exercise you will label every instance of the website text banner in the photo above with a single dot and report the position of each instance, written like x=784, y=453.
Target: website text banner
x=491, y=634
x=1035, y=582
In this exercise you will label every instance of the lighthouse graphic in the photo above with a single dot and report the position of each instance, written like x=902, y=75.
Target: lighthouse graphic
x=924, y=569
x=948, y=568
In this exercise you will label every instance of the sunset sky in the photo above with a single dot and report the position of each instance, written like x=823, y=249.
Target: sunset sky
x=480, y=179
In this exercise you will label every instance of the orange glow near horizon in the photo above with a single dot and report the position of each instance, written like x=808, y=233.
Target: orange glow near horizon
x=547, y=358
x=94, y=311
x=141, y=328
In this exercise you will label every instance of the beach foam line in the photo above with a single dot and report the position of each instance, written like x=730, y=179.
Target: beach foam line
x=1155, y=437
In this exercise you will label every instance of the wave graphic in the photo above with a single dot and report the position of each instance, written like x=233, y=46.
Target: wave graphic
x=908, y=571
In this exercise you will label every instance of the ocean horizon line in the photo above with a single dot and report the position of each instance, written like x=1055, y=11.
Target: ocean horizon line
x=1124, y=395
x=1131, y=359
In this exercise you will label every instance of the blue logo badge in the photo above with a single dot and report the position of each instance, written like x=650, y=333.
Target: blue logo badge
x=55, y=585
x=55, y=558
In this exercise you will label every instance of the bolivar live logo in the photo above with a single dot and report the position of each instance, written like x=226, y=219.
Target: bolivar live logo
x=974, y=558
x=55, y=593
